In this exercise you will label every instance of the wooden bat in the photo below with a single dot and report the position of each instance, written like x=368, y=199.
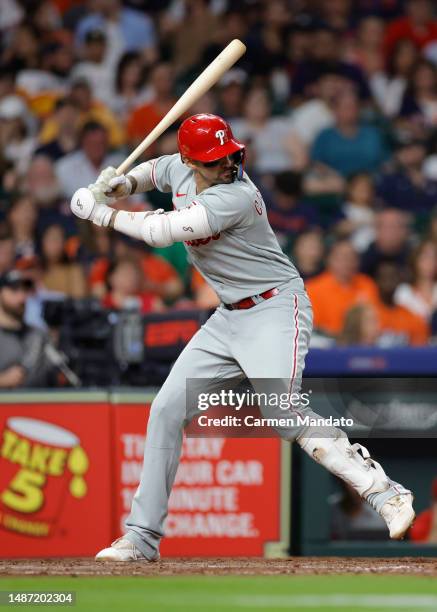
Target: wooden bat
x=196, y=90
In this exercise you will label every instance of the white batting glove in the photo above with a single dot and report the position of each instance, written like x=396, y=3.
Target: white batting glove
x=105, y=176
x=91, y=204
x=119, y=187
x=112, y=185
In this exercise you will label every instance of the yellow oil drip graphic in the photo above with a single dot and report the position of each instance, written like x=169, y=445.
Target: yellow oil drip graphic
x=78, y=464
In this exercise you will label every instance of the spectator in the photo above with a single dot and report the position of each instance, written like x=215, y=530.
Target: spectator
x=367, y=50
x=144, y=118
x=350, y=146
x=308, y=253
x=160, y=278
x=44, y=83
x=41, y=181
x=361, y=326
x=59, y=274
x=99, y=112
x=22, y=218
x=334, y=292
x=93, y=67
x=82, y=167
x=126, y=287
x=419, y=296
x=271, y=139
x=403, y=185
x=399, y=326
x=129, y=91
x=231, y=94
x=125, y=29
x=388, y=86
x=314, y=115
x=325, y=51
x=16, y=140
x=288, y=214
x=59, y=134
x=392, y=232
x=336, y=15
x=418, y=25
x=419, y=103
x=190, y=36
x=22, y=359
x=7, y=249
x=359, y=216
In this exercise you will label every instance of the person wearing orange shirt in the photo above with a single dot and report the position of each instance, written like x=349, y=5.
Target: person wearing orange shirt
x=339, y=288
x=144, y=118
x=399, y=326
x=160, y=278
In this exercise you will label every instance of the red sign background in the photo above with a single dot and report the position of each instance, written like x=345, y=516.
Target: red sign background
x=226, y=497
x=80, y=524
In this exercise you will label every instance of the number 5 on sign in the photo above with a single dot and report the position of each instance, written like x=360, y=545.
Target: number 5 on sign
x=24, y=493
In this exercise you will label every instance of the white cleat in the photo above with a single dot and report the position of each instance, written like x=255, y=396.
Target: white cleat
x=399, y=515
x=122, y=550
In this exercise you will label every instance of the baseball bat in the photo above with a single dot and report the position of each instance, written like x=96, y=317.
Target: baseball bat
x=196, y=90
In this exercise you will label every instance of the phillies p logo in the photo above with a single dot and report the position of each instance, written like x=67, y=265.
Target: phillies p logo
x=221, y=135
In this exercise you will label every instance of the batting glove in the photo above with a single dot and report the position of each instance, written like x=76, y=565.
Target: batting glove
x=120, y=186
x=91, y=204
x=112, y=185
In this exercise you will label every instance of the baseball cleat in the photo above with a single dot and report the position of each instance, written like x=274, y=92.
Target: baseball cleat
x=122, y=550
x=399, y=515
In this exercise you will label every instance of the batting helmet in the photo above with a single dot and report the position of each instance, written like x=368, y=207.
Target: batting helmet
x=207, y=138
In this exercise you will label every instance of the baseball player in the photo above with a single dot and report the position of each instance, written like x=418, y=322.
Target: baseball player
x=261, y=329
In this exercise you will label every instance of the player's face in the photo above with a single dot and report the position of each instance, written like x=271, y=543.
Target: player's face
x=223, y=170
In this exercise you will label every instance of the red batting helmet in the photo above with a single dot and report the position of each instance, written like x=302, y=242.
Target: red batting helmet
x=207, y=138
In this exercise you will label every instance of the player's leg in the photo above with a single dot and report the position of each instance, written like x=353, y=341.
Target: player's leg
x=283, y=328
x=205, y=357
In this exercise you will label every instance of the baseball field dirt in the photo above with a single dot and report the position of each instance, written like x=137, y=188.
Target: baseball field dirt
x=229, y=585
x=293, y=566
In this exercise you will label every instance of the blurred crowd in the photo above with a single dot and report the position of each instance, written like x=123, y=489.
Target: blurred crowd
x=336, y=101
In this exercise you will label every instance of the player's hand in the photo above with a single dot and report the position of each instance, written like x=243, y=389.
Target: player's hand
x=91, y=204
x=104, y=177
x=119, y=187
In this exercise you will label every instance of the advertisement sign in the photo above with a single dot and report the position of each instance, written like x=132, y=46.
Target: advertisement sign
x=227, y=497
x=54, y=478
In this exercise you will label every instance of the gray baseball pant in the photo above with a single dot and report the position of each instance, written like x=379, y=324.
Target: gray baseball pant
x=269, y=340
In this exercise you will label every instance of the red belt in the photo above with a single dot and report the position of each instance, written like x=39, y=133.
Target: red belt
x=252, y=301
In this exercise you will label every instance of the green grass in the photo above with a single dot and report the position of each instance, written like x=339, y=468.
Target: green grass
x=263, y=593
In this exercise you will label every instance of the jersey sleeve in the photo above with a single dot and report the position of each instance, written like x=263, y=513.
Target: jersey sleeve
x=163, y=171
x=227, y=206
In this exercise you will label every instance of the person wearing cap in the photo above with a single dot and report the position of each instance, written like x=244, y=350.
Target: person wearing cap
x=22, y=357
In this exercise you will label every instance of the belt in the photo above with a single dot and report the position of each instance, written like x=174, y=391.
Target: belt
x=252, y=301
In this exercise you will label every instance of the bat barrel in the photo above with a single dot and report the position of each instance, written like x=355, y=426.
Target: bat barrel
x=209, y=77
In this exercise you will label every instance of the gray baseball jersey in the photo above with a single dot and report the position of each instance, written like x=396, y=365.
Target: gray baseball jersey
x=242, y=257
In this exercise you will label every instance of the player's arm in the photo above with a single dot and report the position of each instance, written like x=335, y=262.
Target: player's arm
x=156, y=228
